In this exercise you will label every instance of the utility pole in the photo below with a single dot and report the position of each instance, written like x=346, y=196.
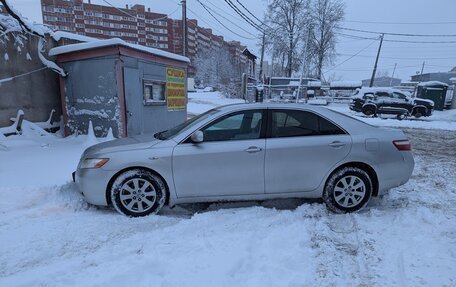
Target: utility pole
x=376, y=61
x=392, y=75
x=260, y=76
x=422, y=70
x=184, y=27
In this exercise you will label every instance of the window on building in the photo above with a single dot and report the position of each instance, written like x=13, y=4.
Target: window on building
x=154, y=92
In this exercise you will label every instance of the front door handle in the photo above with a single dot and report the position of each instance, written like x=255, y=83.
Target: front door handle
x=253, y=149
x=337, y=144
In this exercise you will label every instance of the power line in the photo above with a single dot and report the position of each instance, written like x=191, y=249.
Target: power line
x=397, y=34
x=126, y=13
x=398, y=58
x=351, y=57
x=394, y=40
x=202, y=19
x=243, y=16
x=208, y=9
x=401, y=23
x=248, y=11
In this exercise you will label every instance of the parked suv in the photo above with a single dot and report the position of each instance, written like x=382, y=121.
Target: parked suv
x=374, y=101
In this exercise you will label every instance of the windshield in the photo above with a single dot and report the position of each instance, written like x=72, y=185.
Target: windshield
x=163, y=135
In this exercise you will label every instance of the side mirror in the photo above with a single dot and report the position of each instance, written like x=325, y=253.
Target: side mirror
x=197, y=137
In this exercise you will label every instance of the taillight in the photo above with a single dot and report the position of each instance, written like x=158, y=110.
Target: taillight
x=402, y=145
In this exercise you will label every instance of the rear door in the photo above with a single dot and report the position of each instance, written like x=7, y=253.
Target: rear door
x=301, y=148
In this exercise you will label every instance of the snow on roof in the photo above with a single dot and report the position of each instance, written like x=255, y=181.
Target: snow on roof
x=453, y=79
x=345, y=84
x=57, y=35
x=112, y=42
x=314, y=84
x=432, y=83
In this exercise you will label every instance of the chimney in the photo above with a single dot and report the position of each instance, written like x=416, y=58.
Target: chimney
x=148, y=9
x=89, y=2
x=126, y=6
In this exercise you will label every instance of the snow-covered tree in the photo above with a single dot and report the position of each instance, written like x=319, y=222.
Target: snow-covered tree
x=327, y=15
x=215, y=68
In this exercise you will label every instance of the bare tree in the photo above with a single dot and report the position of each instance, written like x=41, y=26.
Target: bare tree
x=327, y=15
x=287, y=22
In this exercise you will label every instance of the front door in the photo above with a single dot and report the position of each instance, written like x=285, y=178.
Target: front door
x=229, y=162
x=301, y=149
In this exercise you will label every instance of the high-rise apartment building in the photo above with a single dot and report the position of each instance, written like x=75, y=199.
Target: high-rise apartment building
x=136, y=25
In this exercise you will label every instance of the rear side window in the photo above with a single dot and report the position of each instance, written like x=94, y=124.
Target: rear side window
x=293, y=123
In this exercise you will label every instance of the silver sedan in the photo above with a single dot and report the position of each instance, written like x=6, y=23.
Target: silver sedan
x=248, y=152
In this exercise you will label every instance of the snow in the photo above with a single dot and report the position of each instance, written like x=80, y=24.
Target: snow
x=345, y=84
x=6, y=57
x=51, y=237
x=57, y=35
x=111, y=42
x=314, y=84
x=51, y=65
x=432, y=83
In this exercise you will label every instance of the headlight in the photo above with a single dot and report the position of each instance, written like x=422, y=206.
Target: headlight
x=93, y=162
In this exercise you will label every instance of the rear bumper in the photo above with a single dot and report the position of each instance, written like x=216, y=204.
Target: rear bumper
x=92, y=184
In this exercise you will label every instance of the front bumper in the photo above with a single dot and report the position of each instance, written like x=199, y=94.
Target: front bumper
x=92, y=183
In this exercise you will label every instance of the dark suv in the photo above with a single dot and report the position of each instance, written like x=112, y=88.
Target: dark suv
x=375, y=101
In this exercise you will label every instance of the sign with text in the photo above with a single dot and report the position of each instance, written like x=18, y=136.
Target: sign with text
x=176, y=98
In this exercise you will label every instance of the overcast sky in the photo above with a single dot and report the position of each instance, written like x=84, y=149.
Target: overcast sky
x=409, y=57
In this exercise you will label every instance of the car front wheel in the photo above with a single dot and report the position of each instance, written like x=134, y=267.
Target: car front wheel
x=137, y=193
x=347, y=190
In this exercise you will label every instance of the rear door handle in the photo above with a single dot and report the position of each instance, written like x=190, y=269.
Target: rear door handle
x=253, y=149
x=337, y=144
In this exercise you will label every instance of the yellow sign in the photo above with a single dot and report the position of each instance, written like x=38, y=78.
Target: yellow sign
x=176, y=98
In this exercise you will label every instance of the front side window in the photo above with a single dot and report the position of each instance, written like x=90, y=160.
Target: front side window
x=154, y=92
x=293, y=123
x=236, y=126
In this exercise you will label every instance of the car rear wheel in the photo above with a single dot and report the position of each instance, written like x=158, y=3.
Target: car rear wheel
x=137, y=193
x=347, y=190
x=419, y=113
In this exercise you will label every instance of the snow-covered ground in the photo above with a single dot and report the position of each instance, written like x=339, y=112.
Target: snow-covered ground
x=50, y=237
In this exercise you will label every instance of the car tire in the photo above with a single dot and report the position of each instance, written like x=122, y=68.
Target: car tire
x=418, y=113
x=347, y=190
x=369, y=111
x=138, y=192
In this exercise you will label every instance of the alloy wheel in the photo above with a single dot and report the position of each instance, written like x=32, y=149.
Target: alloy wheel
x=349, y=191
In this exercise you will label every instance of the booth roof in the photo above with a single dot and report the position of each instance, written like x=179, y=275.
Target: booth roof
x=113, y=42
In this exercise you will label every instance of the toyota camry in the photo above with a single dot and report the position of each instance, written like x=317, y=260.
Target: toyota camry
x=248, y=152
